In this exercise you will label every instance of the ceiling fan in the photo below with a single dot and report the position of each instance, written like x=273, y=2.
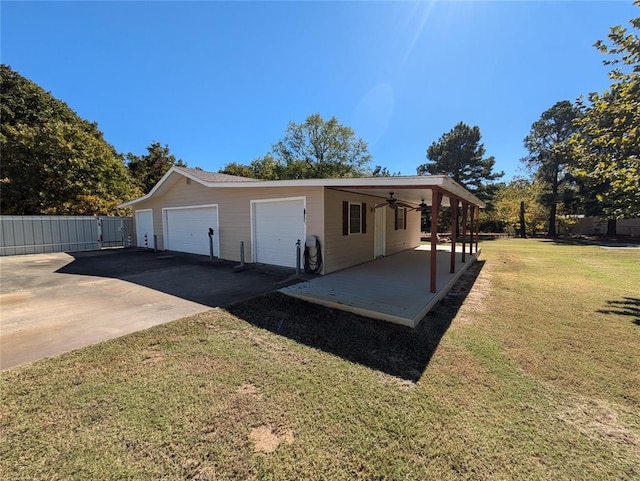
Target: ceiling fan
x=422, y=207
x=393, y=203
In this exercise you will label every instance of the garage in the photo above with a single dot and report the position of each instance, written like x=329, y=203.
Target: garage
x=277, y=225
x=186, y=229
x=144, y=227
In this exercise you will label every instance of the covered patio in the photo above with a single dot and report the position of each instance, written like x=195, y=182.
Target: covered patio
x=394, y=288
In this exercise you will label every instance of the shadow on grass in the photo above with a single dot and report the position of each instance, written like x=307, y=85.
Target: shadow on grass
x=627, y=306
x=396, y=350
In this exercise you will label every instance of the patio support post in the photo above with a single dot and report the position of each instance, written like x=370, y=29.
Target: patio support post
x=471, y=227
x=453, y=202
x=465, y=207
x=477, y=226
x=435, y=208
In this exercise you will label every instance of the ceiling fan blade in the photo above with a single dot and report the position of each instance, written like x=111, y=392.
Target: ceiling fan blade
x=379, y=205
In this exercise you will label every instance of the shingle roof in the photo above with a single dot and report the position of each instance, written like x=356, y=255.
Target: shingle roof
x=214, y=176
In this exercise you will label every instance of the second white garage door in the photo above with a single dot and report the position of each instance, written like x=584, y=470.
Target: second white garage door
x=186, y=229
x=277, y=225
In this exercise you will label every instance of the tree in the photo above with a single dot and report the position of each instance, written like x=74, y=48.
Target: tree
x=264, y=168
x=380, y=171
x=314, y=149
x=319, y=149
x=607, y=144
x=459, y=154
x=146, y=170
x=550, y=153
x=508, y=202
x=54, y=162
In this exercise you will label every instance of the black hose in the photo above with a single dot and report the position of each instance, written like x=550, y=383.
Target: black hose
x=313, y=263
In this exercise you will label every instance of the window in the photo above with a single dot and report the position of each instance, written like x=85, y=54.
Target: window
x=401, y=218
x=354, y=218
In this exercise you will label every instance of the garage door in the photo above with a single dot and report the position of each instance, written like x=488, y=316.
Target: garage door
x=277, y=226
x=144, y=226
x=186, y=229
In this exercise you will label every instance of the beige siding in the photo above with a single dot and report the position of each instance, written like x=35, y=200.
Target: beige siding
x=342, y=251
x=234, y=211
x=403, y=239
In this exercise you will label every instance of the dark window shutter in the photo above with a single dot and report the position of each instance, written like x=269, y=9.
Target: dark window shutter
x=405, y=219
x=395, y=219
x=345, y=218
x=364, y=218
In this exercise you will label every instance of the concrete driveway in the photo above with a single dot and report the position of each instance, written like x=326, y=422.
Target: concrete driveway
x=53, y=303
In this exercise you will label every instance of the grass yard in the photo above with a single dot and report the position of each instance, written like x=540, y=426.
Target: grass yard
x=532, y=374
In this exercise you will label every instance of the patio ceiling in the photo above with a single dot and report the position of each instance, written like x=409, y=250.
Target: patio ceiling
x=409, y=195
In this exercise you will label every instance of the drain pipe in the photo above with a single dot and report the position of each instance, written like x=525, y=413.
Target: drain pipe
x=298, y=257
x=241, y=253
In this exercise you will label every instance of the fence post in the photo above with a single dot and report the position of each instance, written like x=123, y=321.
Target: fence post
x=99, y=224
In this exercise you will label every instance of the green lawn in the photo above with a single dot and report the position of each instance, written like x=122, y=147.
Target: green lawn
x=532, y=374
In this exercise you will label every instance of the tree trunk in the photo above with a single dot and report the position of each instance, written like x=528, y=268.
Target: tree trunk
x=554, y=203
x=523, y=232
x=611, y=227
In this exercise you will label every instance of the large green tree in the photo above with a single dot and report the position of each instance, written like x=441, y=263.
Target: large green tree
x=314, y=149
x=550, y=154
x=54, y=162
x=460, y=155
x=607, y=144
x=146, y=170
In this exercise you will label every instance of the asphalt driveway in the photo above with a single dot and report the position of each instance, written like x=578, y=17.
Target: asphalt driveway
x=53, y=303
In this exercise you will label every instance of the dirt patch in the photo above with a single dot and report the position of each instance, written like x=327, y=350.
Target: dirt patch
x=152, y=357
x=601, y=420
x=266, y=440
x=249, y=389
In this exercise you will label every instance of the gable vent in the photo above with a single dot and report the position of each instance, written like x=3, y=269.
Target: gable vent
x=188, y=181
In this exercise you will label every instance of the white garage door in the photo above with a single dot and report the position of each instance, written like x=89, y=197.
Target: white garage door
x=144, y=226
x=277, y=226
x=186, y=229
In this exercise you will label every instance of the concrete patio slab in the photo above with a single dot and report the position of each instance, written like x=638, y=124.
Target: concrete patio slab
x=394, y=288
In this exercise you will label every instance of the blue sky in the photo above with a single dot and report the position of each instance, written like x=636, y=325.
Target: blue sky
x=218, y=82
